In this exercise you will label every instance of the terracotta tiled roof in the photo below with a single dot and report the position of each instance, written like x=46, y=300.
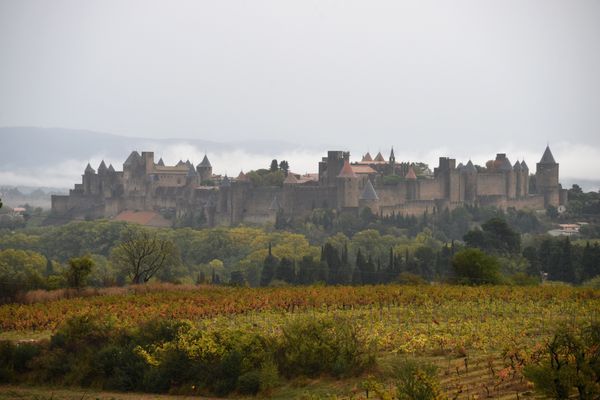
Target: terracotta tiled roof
x=346, y=171
x=411, y=174
x=243, y=177
x=177, y=169
x=290, y=179
x=147, y=218
x=367, y=157
x=363, y=169
x=379, y=157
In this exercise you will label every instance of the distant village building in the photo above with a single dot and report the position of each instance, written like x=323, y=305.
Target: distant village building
x=384, y=186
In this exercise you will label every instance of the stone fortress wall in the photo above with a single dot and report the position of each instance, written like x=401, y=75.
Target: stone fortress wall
x=383, y=186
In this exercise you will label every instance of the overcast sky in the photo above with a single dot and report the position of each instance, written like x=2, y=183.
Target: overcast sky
x=462, y=77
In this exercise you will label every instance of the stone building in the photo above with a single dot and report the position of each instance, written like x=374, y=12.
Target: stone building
x=383, y=186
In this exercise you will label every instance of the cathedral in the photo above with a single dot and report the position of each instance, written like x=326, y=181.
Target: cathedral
x=384, y=186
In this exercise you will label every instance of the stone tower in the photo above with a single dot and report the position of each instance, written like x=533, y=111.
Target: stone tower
x=546, y=179
x=369, y=199
x=204, y=169
x=347, y=187
x=470, y=173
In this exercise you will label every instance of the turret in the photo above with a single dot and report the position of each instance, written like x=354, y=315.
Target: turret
x=347, y=184
x=524, y=179
x=204, y=170
x=470, y=173
x=369, y=198
x=503, y=165
x=546, y=179
x=102, y=168
x=411, y=184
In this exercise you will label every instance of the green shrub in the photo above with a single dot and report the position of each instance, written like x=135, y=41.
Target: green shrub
x=570, y=364
x=23, y=354
x=7, y=351
x=311, y=346
x=269, y=376
x=416, y=381
x=249, y=383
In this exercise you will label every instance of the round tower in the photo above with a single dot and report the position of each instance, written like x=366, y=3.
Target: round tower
x=546, y=179
x=347, y=187
x=369, y=199
x=204, y=169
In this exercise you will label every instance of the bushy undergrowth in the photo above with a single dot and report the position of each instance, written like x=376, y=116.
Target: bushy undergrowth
x=177, y=356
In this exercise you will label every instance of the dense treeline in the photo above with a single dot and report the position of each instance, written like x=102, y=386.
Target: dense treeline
x=327, y=247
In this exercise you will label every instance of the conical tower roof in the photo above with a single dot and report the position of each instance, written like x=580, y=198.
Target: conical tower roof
x=191, y=171
x=205, y=162
x=180, y=163
x=133, y=158
x=524, y=166
x=347, y=171
x=161, y=163
x=517, y=166
x=368, y=192
x=89, y=169
x=460, y=166
x=470, y=167
x=547, y=158
x=505, y=166
x=411, y=174
x=111, y=168
x=225, y=181
x=379, y=157
x=102, y=167
x=290, y=179
x=392, y=153
x=367, y=157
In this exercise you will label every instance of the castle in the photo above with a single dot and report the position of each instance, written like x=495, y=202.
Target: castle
x=384, y=186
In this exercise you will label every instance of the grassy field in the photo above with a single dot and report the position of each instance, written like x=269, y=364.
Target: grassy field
x=474, y=335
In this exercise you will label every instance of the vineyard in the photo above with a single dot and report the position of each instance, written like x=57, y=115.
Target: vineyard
x=477, y=336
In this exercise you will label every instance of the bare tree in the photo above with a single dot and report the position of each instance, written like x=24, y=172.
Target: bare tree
x=142, y=254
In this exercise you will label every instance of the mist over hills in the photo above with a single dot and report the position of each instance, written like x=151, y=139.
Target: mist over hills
x=56, y=157
x=41, y=146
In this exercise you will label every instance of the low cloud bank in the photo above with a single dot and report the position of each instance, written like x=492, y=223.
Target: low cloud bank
x=578, y=162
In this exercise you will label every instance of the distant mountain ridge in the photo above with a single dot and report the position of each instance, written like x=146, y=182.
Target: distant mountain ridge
x=23, y=147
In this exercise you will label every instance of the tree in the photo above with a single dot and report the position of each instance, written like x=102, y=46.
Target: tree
x=495, y=235
x=268, y=271
x=274, y=166
x=78, y=272
x=570, y=363
x=142, y=254
x=474, y=267
x=285, y=271
x=284, y=167
x=237, y=278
